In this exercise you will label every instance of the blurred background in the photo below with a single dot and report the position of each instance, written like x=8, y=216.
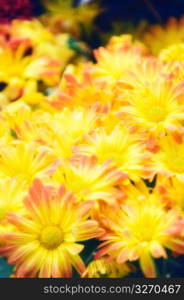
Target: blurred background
x=113, y=10
x=136, y=10
x=121, y=16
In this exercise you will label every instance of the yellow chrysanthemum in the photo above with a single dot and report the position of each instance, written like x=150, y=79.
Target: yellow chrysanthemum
x=102, y=268
x=44, y=243
x=89, y=180
x=13, y=64
x=16, y=68
x=153, y=100
x=35, y=130
x=158, y=37
x=80, y=87
x=26, y=161
x=174, y=53
x=75, y=122
x=68, y=128
x=45, y=69
x=141, y=230
x=169, y=159
x=48, y=55
x=26, y=124
x=44, y=43
x=119, y=146
x=25, y=29
x=118, y=57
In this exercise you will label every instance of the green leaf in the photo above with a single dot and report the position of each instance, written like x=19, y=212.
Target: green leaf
x=74, y=45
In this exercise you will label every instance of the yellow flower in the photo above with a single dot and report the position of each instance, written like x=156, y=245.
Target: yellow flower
x=169, y=160
x=44, y=243
x=160, y=37
x=75, y=122
x=58, y=49
x=35, y=129
x=119, y=146
x=44, y=68
x=44, y=43
x=16, y=68
x=153, y=100
x=141, y=230
x=26, y=29
x=13, y=63
x=26, y=124
x=25, y=161
x=173, y=53
x=119, y=56
x=81, y=87
x=102, y=268
x=89, y=180
x=68, y=128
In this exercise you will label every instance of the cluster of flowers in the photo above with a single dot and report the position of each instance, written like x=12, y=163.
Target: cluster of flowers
x=96, y=153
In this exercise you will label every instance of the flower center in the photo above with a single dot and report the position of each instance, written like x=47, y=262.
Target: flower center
x=156, y=114
x=51, y=237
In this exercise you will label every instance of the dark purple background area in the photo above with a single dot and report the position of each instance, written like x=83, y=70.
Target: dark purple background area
x=135, y=10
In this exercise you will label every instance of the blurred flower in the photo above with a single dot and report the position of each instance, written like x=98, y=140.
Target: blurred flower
x=118, y=57
x=67, y=17
x=89, y=180
x=173, y=53
x=44, y=243
x=102, y=268
x=153, y=99
x=140, y=230
x=119, y=146
x=160, y=37
x=169, y=159
x=26, y=161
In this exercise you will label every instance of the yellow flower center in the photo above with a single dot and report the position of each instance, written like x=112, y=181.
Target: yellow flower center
x=156, y=114
x=51, y=237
